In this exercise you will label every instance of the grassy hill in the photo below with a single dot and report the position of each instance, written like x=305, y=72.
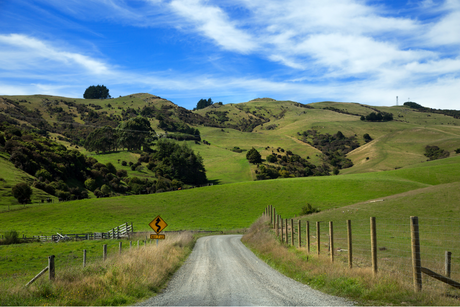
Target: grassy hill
x=232, y=206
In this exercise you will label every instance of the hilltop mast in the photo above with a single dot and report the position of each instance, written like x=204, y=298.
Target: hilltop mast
x=396, y=100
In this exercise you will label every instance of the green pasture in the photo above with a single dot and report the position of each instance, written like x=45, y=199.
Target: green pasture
x=21, y=262
x=227, y=206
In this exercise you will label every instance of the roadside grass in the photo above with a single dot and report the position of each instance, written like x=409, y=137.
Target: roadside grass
x=136, y=274
x=357, y=284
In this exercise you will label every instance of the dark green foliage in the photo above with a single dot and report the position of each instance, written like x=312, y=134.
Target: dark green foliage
x=96, y=92
x=11, y=237
x=413, y=105
x=378, y=117
x=135, y=133
x=203, y=103
x=272, y=158
x=173, y=161
x=434, y=152
x=457, y=151
x=102, y=139
x=253, y=156
x=367, y=138
x=334, y=147
x=22, y=192
x=309, y=209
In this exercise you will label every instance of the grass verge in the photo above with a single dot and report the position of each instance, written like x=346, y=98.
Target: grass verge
x=136, y=274
x=357, y=284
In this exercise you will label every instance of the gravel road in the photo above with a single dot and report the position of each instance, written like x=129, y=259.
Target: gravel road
x=221, y=271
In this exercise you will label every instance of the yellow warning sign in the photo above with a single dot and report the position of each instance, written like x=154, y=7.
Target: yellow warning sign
x=158, y=224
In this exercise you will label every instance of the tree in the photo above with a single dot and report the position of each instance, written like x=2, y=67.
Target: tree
x=367, y=138
x=102, y=139
x=253, y=156
x=22, y=192
x=203, y=103
x=96, y=92
x=135, y=133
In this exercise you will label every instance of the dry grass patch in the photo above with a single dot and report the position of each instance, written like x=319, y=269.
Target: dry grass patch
x=357, y=284
x=136, y=274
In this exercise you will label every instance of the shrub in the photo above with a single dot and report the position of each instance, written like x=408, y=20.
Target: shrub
x=124, y=163
x=22, y=192
x=11, y=237
x=309, y=209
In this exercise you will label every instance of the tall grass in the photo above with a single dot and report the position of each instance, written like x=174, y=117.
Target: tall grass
x=357, y=284
x=136, y=274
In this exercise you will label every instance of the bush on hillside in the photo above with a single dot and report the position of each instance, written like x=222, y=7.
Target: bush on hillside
x=434, y=153
x=11, y=237
x=309, y=209
x=22, y=192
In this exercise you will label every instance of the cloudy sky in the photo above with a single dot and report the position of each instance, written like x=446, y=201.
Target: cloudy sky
x=235, y=50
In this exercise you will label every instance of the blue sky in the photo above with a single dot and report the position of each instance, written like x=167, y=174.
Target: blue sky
x=235, y=50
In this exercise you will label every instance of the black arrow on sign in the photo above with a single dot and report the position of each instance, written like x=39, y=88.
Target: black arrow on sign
x=156, y=224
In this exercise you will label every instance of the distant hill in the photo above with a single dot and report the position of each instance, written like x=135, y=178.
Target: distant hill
x=290, y=136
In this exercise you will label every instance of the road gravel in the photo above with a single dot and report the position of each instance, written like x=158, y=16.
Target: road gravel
x=221, y=271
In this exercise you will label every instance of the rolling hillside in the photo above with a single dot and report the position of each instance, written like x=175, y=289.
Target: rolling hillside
x=270, y=126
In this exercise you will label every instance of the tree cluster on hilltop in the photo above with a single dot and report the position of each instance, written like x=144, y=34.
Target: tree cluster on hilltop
x=96, y=92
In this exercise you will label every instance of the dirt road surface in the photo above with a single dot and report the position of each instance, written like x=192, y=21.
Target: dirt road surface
x=221, y=271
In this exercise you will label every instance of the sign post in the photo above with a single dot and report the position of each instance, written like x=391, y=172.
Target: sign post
x=158, y=224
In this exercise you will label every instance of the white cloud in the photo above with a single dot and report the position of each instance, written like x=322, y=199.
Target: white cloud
x=25, y=52
x=214, y=23
x=447, y=30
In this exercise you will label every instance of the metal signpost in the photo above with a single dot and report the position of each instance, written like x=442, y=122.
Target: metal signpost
x=158, y=224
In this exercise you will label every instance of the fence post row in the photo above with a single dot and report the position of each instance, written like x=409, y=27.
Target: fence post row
x=292, y=232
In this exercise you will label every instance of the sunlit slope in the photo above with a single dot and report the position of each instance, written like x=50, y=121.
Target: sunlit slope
x=9, y=177
x=227, y=206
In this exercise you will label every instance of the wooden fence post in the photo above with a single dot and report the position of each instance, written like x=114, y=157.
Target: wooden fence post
x=119, y=248
x=286, y=221
x=282, y=230
x=130, y=244
x=292, y=232
x=300, y=236
x=51, y=268
x=104, y=252
x=308, y=236
x=318, y=241
x=138, y=244
x=350, y=247
x=448, y=262
x=276, y=225
x=331, y=240
x=374, y=245
x=84, y=258
x=416, y=261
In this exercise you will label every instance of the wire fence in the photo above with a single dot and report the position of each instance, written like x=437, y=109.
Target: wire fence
x=393, y=252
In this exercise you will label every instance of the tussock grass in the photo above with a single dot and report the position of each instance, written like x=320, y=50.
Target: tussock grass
x=123, y=279
x=357, y=284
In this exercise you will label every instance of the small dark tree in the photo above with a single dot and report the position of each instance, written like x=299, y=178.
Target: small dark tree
x=367, y=138
x=253, y=156
x=96, y=92
x=22, y=192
